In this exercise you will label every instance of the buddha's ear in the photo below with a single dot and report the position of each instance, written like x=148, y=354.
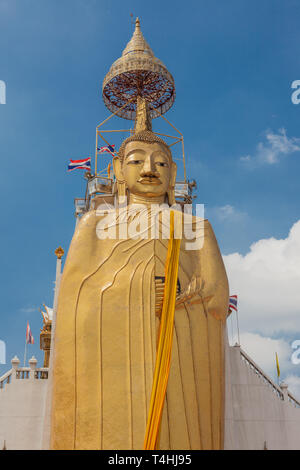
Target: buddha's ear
x=121, y=186
x=173, y=173
x=171, y=190
x=117, y=165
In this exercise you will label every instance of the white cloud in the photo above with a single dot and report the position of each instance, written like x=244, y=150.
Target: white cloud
x=28, y=309
x=247, y=158
x=267, y=282
x=273, y=148
x=227, y=212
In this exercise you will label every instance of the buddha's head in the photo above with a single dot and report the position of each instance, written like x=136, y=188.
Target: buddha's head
x=145, y=167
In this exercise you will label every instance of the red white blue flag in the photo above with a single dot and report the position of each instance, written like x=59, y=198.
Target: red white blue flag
x=233, y=302
x=106, y=149
x=29, y=337
x=84, y=164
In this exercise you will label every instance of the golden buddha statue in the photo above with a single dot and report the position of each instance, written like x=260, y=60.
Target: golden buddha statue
x=108, y=319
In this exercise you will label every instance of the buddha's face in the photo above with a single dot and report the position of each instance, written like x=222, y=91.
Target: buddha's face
x=147, y=168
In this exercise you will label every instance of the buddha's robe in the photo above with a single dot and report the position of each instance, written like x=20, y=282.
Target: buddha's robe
x=106, y=337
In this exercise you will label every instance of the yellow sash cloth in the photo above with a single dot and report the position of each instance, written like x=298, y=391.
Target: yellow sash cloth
x=165, y=339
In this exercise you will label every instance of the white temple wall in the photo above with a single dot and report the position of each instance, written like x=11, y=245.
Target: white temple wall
x=22, y=409
x=258, y=413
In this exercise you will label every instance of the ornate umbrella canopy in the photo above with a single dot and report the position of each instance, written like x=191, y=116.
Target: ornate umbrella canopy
x=138, y=73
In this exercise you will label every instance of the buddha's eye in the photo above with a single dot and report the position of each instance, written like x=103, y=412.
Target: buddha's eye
x=134, y=162
x=161, y=164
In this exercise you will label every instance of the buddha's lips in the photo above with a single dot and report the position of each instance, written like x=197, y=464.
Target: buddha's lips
x=150, y=180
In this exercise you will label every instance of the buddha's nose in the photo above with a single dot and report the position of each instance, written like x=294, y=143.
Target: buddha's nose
x=149, y=168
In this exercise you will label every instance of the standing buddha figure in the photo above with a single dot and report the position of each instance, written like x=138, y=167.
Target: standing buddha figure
x=109, y=313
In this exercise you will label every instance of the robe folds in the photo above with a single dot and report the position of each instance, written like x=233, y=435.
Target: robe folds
x=106, y=337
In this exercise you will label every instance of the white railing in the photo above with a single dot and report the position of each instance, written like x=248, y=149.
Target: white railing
x=41, y=373
x=281, y=391
x=293, y=400
x=257, y=370
x=23, y=373
x=5, y=379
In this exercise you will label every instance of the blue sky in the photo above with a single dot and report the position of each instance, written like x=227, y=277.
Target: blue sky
x=233, y=63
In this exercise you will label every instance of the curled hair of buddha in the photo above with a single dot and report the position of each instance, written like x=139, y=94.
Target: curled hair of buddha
x=143, y=136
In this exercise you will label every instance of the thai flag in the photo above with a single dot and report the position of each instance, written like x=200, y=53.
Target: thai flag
x=80, y=164
x=29, y=337
x=233, y=302
x=107, y=149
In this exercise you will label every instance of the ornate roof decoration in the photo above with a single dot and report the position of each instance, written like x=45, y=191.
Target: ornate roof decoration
x=138, y=73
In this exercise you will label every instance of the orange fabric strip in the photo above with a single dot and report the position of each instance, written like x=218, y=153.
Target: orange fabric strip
x=163, y=356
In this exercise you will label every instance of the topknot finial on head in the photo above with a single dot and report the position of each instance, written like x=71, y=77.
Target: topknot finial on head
x=142, y=128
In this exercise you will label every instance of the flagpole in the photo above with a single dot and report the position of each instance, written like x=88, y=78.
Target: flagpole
x=232, y=334
x=96, y=152
x=25, y=345
x=277, y=367
x=237, y=325
x=25, y=352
